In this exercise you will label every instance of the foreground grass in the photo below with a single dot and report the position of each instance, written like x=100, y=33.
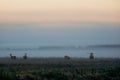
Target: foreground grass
x=59, y=69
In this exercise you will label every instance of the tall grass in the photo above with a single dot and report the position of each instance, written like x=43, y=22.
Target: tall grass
x=61, y=69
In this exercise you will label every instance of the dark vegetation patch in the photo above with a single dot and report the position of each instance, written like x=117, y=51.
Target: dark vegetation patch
x=60, y=69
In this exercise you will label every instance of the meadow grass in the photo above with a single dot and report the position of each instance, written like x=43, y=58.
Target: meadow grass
x=60, y=69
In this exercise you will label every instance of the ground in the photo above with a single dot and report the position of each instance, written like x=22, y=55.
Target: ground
x=60, y=69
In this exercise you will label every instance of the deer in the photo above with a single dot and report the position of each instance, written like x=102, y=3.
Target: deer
x=12, y=57
x=25, y=56
x=66, y=57
x=91, y=56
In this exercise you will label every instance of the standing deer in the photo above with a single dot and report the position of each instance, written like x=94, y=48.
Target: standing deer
x=12, y=57
x=91, y=56
x=25, y=56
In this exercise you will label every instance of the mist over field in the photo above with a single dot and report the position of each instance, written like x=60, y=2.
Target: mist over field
x=59, y=40
x=55, y=35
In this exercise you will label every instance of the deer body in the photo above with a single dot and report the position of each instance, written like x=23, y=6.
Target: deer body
x=91, y=56
x=25, y=56
x=12, y=57
x=66, y=57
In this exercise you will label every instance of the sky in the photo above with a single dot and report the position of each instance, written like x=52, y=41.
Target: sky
x=21, y=22
x=59, y=11
x=65, y=35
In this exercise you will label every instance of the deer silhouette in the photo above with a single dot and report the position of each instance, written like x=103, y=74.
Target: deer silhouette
x=25, y=56
x=12, y=57
x=91, y=55
x=66, y=57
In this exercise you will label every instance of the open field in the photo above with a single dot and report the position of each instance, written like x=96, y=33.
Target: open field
x=59, y=69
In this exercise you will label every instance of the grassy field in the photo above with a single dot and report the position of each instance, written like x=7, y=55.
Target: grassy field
x=59, y=69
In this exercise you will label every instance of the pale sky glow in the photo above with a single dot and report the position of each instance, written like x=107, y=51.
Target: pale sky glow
x=59, y=11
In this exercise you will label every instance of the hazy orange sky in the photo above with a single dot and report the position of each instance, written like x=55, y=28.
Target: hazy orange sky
x=59, y=11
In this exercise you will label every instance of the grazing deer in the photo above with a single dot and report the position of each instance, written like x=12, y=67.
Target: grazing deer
x=12, y=57
x=66, y=57
x=25, y=56
x=91, y=56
